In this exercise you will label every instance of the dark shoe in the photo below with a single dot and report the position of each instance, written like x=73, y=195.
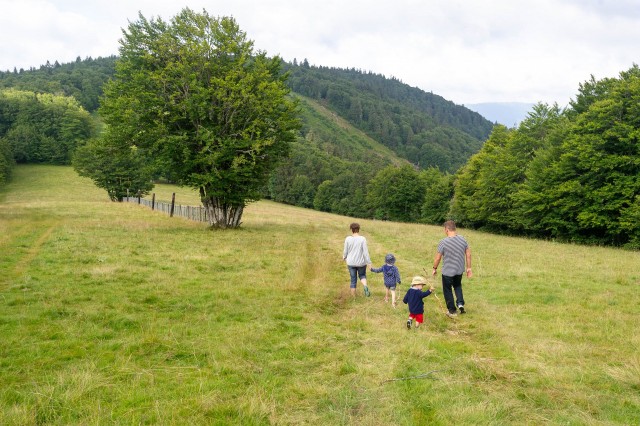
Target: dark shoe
x=366, y=291
x=409, y=321
x=462, y=311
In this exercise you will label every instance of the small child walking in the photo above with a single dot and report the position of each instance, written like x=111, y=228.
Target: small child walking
x=414, y=298
x=391, y=277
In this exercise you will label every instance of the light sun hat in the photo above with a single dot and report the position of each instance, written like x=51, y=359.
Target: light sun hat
x=418, y=280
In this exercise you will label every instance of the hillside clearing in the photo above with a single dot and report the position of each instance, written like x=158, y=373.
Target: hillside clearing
x=112, y=313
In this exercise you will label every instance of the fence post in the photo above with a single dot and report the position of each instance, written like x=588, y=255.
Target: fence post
x=173, y=203
x=153, y=201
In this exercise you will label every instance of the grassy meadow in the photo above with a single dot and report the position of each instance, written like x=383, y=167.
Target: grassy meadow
x=111, y=313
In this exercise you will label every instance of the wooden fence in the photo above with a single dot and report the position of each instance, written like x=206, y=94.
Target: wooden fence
x=196, y=213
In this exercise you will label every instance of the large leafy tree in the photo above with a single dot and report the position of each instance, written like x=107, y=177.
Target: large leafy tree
x=346, y=193
x=536, y=209
x=468, y=206
x=113, y=165
x=592, y=179
x=193, y=95
x=397, y=193
x=486, y=185
x=437, y=197
x=571, y=175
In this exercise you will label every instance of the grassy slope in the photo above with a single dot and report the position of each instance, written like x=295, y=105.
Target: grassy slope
x=111, y=313
x=354, y=141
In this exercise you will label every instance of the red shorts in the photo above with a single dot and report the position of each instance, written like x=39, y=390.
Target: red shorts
x=418, y=317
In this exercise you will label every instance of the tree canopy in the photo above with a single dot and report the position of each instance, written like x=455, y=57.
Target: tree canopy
x=115, y=166
x=397, y=193
x=212, y=113
x=82, y=79
x=422, y=127
x=572, y=175
x=42, y=127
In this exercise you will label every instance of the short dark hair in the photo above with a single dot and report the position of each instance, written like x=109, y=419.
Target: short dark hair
x=450, y=225
x=355, y=227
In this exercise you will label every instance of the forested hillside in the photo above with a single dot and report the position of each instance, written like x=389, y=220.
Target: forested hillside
x=371, y=146
x=422, y=127
x=354, y=124
x=333, y=155
x=40, y=128
x=82, y=79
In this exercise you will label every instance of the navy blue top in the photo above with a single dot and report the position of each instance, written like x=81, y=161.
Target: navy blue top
x=414, y=299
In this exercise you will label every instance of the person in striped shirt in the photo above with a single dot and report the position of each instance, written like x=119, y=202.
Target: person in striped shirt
x=456, y=254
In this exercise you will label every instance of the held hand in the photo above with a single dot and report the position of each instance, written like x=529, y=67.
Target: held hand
x=432, y=289
x=469, y=273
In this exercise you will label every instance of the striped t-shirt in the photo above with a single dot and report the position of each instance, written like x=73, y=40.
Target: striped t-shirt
x=453, y=251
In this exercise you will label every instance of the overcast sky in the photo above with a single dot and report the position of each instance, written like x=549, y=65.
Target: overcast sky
x=466, y=51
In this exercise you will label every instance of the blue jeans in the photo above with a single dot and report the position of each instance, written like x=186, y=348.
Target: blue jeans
x=455, y=283
x=355, y=272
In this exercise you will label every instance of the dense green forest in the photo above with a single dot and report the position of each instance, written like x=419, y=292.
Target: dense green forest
x=371, y=146
x=337, y=153
x=82, y=79
x=40, y=128
x=570, y=175
x=43, y=118
x=420, y=127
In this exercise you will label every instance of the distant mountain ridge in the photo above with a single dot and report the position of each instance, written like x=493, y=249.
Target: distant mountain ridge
x=509, y=114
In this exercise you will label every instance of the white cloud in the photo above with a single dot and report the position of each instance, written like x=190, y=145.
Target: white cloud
x=468, y=52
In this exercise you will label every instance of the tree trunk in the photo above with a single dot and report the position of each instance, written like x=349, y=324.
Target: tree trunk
x=221, y=214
